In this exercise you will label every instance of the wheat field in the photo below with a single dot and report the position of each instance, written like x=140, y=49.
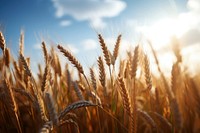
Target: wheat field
x=114, y=100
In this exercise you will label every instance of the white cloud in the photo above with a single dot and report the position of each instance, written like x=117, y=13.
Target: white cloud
x=194, y=5
x=37, y=46
x=89, y=44
x=186, y=26
x=65, y=23
x=90, y=10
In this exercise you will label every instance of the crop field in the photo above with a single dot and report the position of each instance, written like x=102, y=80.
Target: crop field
x=117, y=96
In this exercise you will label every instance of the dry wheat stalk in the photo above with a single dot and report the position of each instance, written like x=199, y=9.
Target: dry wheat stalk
x=135, y=62
x=176, y=114
x=157, y=96
x=17, y=70
x=163, y=122
x=7, y=57
x=51, y=109
x=70, y=115
x=78, y=91
x=44, y=49
x=47, y=127
x=175, y=77
x=93, y=79
x=59, y=70
x=27, y=94
x=71, y=58
x=147, y=73
x=25, y=65
x=68, y=79
x=96, y=97
x=2, y=42
x=145, y=116
x=69, y=121
x=74, y=106
x=116, y=49
x=127, y=105
x=105, y=50
x=46, y=77
x=102, y=74
x=41, y=108
x=11, y=103
x=125, y=96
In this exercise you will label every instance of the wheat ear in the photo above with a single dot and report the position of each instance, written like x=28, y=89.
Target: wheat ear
x=78, y=91
x=71, y=58
x=102, y=75
x=127, y=104
x=7, y=57
x=147, y=73
x=47, y=127
x=51, y=109
x=44, y=49
x=116, y=49
x=11, y=103
x=93, y=79
x=135, y=62
x=145, y=116
x=104, y=49
x=46, y=78
x=2, y=42
x=25, y=65
x=125, y=96
x=176, y=114
x=74, y=61
x=74, y=106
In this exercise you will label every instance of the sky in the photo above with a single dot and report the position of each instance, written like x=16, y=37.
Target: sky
x=75, y=24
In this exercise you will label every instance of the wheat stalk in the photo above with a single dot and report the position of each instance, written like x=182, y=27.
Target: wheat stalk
x=116, y=50
x=71, y=58
x=104, y=49
x=2, y=42
x=11, y=103
x=93, y=79
x=102, y=75
x=176, y=114
x=147, y=73
x=162, y=122
x=78, y=91
x=145, y=116
x=125, y=96
x=74, y=106
x=51, y=109
x=135, y=62
x=44, y=49
x=47, y=127
x=25, y=65
x=7, y=57
x=46, y=78
x=127, y=104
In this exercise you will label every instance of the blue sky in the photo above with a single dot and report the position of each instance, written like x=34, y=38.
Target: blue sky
x=74, y=23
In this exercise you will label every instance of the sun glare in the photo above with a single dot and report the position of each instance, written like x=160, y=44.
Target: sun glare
x=161, y=32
